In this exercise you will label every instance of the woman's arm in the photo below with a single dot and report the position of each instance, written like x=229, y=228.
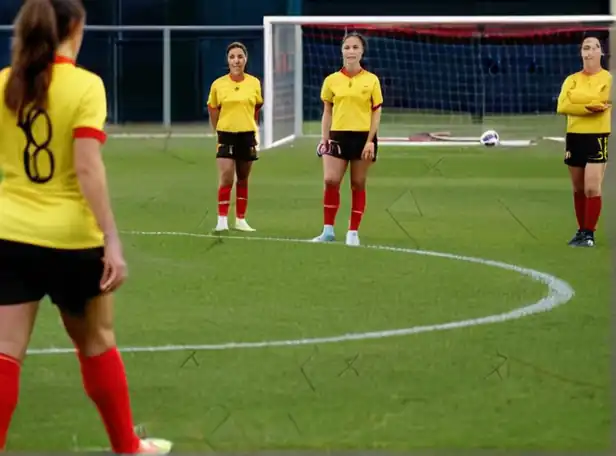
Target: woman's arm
x=90, y=171
x=326, y=121
x=377, y=103
x=566, y=105
x=375, y=122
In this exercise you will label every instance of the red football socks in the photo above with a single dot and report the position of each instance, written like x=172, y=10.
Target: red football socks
x=104, y=380
x=358, y=205
x=241, y=199
x=592, y=212
x=224, y=199
x=10, y=369
x=579, y=202
x=331, y=203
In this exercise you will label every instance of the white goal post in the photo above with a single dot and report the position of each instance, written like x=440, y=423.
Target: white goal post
x=444, y=79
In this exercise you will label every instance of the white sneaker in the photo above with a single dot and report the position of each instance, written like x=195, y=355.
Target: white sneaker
x=324, y=237
x=223, y=224
x=327, y=235
x=155, y=446
x=242, y=225
x=352, y=238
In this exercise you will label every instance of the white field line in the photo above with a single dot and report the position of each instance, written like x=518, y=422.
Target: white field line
x=559, y=292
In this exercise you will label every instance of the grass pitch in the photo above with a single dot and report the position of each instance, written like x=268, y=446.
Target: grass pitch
x=539, y=382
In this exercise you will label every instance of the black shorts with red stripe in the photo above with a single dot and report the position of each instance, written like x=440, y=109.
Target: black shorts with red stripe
x=28, y=273
x=584, y=148
x=349, y=145
x=240, y=146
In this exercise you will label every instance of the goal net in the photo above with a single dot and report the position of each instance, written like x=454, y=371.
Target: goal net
x=444, y=80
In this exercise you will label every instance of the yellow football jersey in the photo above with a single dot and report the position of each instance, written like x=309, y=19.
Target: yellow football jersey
x=40, y=198
x=238, y=102
x=578, y=91
x=354, y=99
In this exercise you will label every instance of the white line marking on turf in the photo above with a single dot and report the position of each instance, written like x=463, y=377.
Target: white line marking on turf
x=559, y=292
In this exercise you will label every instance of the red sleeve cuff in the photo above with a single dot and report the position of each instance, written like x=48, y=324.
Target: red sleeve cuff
x=92, y=133
x=374, y=108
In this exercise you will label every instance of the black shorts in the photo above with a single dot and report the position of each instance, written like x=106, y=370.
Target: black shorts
x=349, y=145
x=237, y=146
x=583, y=148
x=71, y=278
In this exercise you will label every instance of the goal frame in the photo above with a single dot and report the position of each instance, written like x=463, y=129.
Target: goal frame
x=269, y=22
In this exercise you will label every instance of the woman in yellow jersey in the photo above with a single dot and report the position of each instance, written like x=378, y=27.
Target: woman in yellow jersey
x=352, y=100
x=58, y=237
x=234, y=102
x=585, y=99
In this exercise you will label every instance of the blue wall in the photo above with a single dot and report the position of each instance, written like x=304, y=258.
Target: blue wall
x=131, y=63
x=461, y=74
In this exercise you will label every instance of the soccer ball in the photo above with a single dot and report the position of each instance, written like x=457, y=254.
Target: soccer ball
x=489, y=138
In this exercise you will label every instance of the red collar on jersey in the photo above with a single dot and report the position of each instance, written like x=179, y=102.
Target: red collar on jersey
x=344, y=71
x=239, y=78
x=64, y=59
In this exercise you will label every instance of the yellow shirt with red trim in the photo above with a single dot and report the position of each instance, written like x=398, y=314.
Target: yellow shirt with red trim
x=238, y=102
x=579, y=90
x=354, y=98
x=40, y=197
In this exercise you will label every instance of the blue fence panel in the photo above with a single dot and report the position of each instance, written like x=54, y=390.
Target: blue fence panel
x=131, y=65
x=5, y=48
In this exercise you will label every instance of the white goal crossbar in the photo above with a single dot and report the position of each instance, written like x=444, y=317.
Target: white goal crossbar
x=296, y=46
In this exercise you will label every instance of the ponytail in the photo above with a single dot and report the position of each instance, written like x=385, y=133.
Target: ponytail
x=34, y=48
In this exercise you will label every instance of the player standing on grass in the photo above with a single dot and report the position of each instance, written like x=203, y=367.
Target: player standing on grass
x=234, y=103
x=585, y=99
x=57, y=231
x=352, y=100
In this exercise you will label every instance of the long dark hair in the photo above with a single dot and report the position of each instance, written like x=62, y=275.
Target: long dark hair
x=40, y=27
